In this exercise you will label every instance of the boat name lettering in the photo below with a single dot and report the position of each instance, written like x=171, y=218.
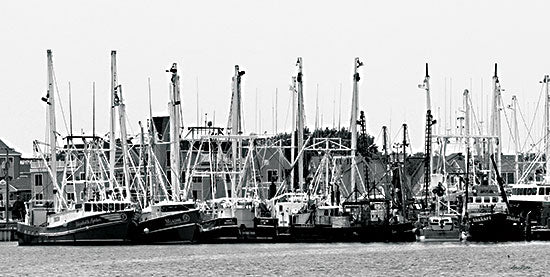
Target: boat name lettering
x=178, y=220
x=481, y=218
x=89, y=221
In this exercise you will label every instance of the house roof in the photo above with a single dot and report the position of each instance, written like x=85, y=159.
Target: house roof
x=11, y=151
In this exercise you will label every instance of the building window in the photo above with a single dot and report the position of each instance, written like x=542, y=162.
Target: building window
x=510, y=178
x=195, y=194
x=70, y=196
x=169, y=176
x=38, y=180
x=197, y=179
x=272, y=175
x=168, y=158
x=82, y=175
x=39, y=196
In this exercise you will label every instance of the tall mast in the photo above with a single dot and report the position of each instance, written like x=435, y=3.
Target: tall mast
x=428, y=143
x=293, y=133
x=516, y=136
x=119, y=102
x=495, y=120
x=174, y=107
x=151, y=165
x=353, y=122
x=467, y=112
x=388, y=174
x=547, y=127
x=300, y=123
x=52, y=127
x=112, y=141
x=235, y=122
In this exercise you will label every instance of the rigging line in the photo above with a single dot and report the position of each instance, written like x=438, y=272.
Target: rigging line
x=475, y=116
x=398, y=133
x=536, y=111
x=60, y=103
x=525, y=125
x=508, y=124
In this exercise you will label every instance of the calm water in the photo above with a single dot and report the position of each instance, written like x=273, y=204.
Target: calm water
x=411, y=259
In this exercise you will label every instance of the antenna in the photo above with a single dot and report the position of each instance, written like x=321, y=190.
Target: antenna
x=340, y=109
x=197, y=85
x=150, y=109
x=70, y=112
x=93, y=109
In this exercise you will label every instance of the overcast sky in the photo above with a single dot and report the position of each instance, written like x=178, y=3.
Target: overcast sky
x=459, y=39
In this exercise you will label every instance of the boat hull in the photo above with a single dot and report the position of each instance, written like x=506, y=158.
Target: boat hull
x=107, y=228
x=265, y=227
x=175, y=227
x=496, y=227
x=219, y=229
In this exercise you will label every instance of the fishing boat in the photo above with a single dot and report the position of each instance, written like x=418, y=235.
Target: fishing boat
x=56, y=219
x=94, y=222
x=530, y=195
x=443, y=228
x=490, y=219
x=489, y=212
x=171, y=219
x=167, y=221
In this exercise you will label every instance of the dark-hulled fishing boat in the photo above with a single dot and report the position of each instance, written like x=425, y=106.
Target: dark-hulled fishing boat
x=101, y=222
x=167, y=222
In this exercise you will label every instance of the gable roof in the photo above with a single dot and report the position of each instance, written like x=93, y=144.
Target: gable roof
x=11, y=151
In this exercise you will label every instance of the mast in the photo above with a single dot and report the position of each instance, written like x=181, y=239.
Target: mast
x=495, y=120
x=112, y=141
x=150, y=151
x=516, y=137
x=235, y=122
x=388, y=188
x=174, y=108
x=300, y=123
x=467, y=142
x=353, y=123
x=428, y=143
x=547, y=127
x=119, y=102
x=293, y=135
x=402, y=174
x=52, y=127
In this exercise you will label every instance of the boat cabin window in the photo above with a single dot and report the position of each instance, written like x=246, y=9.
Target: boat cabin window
x=547, y=191
x=470, y=199
x=494, y=199
x=478, y=200
x=87, y=207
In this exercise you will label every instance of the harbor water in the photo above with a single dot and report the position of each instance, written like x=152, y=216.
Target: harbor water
x=337, y=259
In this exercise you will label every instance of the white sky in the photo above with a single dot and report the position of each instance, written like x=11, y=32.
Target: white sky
x=460, y=39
